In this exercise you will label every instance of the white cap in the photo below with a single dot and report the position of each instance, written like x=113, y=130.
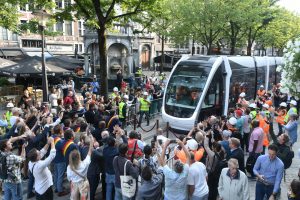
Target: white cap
x=192, y=144
x=10, y=105
x=252, y=105
x=226, y=133
x=242, y=94
x=125, y=96
x=145, y=93
x=283, y=104
x=265, y=106
x=293, y=102
x=115, y=89
x=261, y=86
x=232, y=121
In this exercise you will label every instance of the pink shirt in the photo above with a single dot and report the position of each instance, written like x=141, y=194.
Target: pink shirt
x=257, y=134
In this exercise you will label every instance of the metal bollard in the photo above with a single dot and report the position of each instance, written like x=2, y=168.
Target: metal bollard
x=167, y=129
x=157, y=125
x=134, y=122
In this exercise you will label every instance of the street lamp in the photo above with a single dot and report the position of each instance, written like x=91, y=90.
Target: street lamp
x=43, y=16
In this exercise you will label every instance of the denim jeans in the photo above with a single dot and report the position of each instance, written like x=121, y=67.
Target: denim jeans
x=13, y=191
x=110, y=185
x=59, y=170
x=262, y=190
x=119, y=196
x=205, y=197
x=30, y=182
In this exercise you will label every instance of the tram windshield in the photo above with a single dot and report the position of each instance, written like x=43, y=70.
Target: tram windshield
x=185, y=89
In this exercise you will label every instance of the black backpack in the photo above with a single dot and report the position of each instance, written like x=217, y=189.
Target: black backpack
x=3, y=166
x=287, y=161
x=221, y=164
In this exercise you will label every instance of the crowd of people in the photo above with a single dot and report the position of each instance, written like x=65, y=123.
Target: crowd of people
x=83, y=141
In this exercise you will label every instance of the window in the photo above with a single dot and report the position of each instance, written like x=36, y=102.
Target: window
x=80, y=48
x=59, y=27
x=32, y=43
x=23, y=21
x=14, y=37
x=59, y=3
x=3, y=34
x=67, y=3
x=22, y=7
x=81, y=28
x=68, y=28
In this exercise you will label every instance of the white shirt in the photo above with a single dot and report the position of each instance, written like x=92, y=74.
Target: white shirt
x=13, y=120
x=82, y=170
x=197, y=177
x=53, y=99
x=42, y=175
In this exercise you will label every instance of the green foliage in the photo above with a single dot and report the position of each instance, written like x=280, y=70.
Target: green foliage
x=4, y=81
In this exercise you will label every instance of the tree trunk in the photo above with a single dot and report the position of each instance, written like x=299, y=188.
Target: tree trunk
x=272, y=50
x=232, y=46
x=103, y=61
x=162, y=59
x=249, y=43
x=209, y=49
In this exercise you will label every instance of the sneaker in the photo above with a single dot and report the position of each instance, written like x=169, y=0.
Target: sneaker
x=63, y=193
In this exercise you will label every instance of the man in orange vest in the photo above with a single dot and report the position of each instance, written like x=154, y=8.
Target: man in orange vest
x=265, y=126
x=192, y=146
x=261, y=92
x=281, y=116
x=134, y=147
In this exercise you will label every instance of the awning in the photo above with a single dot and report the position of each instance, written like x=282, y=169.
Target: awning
x=5, y=63
x=66, y=62
x=38, y=53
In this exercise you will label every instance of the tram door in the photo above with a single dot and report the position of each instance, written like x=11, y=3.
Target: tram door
x=213, y=101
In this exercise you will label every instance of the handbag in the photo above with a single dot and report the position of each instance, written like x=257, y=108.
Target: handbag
x=128, y=184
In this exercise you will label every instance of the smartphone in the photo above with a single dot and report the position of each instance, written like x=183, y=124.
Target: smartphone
x=173, y=141
x=160, y=142
x=155, y=138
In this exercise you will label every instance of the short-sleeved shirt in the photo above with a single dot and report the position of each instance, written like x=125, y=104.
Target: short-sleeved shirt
x=257, y=134
x=14, y=168
x=176, y=184
x=197, y=177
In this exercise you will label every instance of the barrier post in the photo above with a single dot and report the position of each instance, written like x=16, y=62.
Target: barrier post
x=134, y=122
x=157, y=125
x=167, y=129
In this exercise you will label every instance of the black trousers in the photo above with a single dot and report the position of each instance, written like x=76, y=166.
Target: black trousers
x=94, y=182
x=212, y=183
x=48, y=195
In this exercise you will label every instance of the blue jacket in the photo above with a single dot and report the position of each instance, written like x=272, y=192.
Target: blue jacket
x=291, y=128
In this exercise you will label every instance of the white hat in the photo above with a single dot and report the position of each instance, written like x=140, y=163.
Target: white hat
x=115, y=89
x=226, y=133
x=232, y=121
x=145, y=93
x=261, y=86
x=242, y=94
x=192, y=144
x=252, y=105
x=293, y=102
x=283, y=104
x=10, y=105
x=266, y=106
x=125, y=96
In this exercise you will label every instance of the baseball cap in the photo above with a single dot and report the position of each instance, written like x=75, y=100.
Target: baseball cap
x=265, y=106
x=145, y=93
x=10, y=105
x=115, y=89
x=283, y=104
x=252, y=105
x=232, y=121
x=242, y=94
x=125, y=97
x=192, y=144
x=261, y=86
x=293, y=102
x=239, y=113
x=226, y=133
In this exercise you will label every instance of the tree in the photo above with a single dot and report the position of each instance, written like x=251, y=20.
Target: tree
x=100, y=15
x=290, y=72
x=284, y=27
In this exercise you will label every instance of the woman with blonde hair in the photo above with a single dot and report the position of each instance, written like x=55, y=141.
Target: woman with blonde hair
x=77, y=173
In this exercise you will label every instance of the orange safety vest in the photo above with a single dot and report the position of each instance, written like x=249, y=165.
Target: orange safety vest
x=280, y=118
x=137, y=152
x=261, y=93
x=181, y=155
x=266, y=127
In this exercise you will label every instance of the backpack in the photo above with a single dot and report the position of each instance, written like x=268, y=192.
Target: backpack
x=221, y=164
x=288, y=159
x=3, y=166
